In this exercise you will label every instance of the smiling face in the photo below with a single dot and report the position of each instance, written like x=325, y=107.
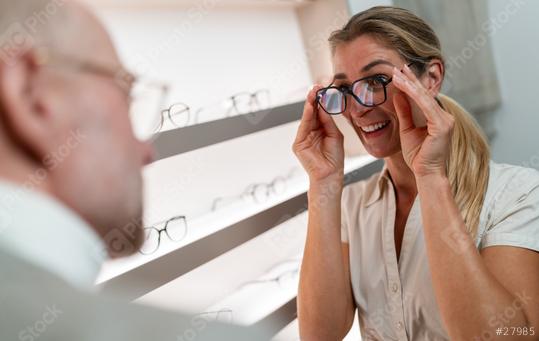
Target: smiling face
x=377, y=127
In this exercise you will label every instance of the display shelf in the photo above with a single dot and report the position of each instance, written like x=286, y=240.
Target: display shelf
x=213, y=234
x=181, y=140
x=271, y=291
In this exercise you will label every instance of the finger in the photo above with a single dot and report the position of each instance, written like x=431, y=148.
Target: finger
x=309, y=119
x=427, y=94
x=329, y=125
x=415, y=90
x=404, y=112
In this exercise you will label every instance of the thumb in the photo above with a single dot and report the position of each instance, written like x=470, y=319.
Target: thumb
x=404, y=112
x=329, y=124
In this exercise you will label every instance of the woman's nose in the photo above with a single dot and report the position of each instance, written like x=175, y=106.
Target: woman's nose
x=356, y=109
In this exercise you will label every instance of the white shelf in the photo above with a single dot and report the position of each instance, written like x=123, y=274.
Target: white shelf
x=268, y=295
x=211, y=222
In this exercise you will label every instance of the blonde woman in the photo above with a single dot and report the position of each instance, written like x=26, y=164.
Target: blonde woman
x=442, y=243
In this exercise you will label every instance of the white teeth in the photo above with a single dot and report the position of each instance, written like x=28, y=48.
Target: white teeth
x=374, y=127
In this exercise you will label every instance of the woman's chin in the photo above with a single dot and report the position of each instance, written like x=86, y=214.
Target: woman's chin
x=379, y=152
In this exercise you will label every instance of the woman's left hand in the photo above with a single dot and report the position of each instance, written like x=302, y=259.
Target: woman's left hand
x=425, y=149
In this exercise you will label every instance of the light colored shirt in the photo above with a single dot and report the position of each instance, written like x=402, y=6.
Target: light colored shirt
x=49, y=259
x=395, y=299
x=44, y=232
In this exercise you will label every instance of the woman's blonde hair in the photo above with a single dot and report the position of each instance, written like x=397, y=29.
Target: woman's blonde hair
x=415, y=41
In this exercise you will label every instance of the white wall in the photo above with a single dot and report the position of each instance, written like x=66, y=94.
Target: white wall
x=357, y=6
x=210, y=54
x=516, y=52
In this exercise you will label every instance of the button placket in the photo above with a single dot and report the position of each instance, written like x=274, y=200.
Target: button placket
x=394, y=282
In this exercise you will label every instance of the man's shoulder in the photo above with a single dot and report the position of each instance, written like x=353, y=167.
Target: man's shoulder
x=35, y=302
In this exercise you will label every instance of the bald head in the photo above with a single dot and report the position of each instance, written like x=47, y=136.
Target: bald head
x=64, y=26
x=70, y=100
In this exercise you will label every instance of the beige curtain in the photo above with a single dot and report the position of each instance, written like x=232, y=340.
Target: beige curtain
x=464, y=29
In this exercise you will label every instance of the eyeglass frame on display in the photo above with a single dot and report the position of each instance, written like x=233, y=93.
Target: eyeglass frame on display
x=168, y=111
x=250, y=190
x=234, y=106
x=277, y=278
x=217, y=312
x=164, y=229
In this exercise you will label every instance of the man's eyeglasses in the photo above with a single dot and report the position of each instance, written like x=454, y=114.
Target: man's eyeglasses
x=368, y=91
x=175, y=228
x=146, y=98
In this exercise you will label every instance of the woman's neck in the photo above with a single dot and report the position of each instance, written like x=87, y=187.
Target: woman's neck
x=401, y=175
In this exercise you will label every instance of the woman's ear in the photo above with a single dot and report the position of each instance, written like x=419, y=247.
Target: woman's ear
x=434, y=76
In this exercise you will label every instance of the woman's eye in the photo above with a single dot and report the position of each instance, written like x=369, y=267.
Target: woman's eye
x=377, y=81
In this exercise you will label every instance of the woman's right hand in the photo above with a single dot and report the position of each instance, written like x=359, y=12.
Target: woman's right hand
x=319, y=144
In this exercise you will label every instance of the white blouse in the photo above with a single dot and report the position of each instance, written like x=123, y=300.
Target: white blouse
x=395, y=300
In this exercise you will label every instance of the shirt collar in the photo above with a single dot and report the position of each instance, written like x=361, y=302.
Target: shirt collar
x=44, y=232
x=377, y=190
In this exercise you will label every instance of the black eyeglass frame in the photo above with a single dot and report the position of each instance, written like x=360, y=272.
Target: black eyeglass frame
x=165, y=230
x=347, y=90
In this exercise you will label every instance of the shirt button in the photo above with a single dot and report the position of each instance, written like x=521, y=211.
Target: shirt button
x=399, y=325
x=395, y=287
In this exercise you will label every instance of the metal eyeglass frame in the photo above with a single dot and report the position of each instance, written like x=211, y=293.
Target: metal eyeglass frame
x=233, y=109
x=250, y=190
x=168, y=112
x=123, y=79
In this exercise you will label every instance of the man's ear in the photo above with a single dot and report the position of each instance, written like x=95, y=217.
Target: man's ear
x=24, y=116
x=434, y=76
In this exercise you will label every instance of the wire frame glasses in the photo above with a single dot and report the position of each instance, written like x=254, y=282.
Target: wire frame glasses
x=239, y=104
x=146, y=97
x=175, y=229
x=178, y=114
x=224, y=315
x=258, y=192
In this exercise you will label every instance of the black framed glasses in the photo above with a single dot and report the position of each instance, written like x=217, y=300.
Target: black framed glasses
x=248, y=102
x=368, y=91
x=178, y=114
x=175, y=228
